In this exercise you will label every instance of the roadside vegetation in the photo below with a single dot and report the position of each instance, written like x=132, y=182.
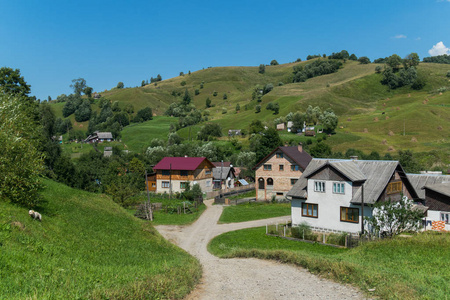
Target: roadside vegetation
x=414, y=267
x=88, y=247
x=254, y=211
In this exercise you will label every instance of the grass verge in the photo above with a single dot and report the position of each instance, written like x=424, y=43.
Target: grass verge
x=254, y=211
x=88, y=247
x=401, y=268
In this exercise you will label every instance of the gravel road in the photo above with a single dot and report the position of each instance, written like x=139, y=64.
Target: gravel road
x=247, y=278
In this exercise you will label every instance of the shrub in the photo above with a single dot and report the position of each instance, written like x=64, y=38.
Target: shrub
x=197, y=91
x=378, y=69
x=262, y=69
x=303, y=231
x=448, y=74
x=337, y=239
x=183, y=83
x=225, y=97
x=280, y=83
x=364, y=60
x=274, y=63
x=214, y=93
x=120, y=85
x=257, y=108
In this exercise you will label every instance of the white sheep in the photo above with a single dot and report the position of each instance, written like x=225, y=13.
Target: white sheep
x=35, y=215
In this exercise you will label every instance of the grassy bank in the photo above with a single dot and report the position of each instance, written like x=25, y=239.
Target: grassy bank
x=88, y=247
x=254, y=211
x=402, y=268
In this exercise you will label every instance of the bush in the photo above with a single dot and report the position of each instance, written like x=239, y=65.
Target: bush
x=197, y=91
x=143, y=115
x=225, y=97
x=378, y=69
x=274, y=63
x=262, y=69
x=448, y=74
x=214, y=93
x=337, y=239
x=303, y=231
x=120, y=85
x=257, y=108
x=183, y=83
x=364, y=60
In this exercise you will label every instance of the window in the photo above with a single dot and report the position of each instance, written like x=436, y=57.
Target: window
x=281, y=167
x=445, y=217
x=153, y=184
x=338, y=188
x=280, y=155
x=350, y=214
x=184, y=173
x=293, y=181
x=166, y=172
x=269, y=181
x=279, y=194
x=319, y=186
x=183, y=185
x=267, y=167
x=394, y=187
x=208, y=183
x=294, y=168
x=208, y=172
x=309, y=210
x=165, y=184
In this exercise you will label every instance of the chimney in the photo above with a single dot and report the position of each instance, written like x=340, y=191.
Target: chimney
x=300, y=147
x=286, y=144
x=354, y=157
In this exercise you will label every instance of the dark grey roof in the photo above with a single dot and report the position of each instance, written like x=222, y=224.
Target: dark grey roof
x=441, y=188
x=104, y=135
x=217, y=172
x=301, y=158
x=375, y=173
x=418, y=181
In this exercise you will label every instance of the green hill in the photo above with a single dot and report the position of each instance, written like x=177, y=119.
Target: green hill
x=354, y=93
x=88, y=247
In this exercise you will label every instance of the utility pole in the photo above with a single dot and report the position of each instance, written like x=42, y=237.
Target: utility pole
x=148, y=207
x=170, y=181
x=362, y=209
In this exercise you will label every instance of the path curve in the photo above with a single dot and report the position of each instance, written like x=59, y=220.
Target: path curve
x=247, y=278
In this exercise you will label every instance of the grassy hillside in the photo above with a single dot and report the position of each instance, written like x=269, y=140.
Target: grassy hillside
x=87, y=247
x=367, y=110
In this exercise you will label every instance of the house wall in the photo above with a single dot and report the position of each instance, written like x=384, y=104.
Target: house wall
x=205, y=184
x=281, y=179
x=434, y=215
x=329, y=208
x=397, y=196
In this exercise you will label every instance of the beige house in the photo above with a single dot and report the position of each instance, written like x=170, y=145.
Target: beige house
x=279, y=171
x=173, y=174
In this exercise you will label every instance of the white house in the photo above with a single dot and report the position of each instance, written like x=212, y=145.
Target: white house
x=329, y=194
x=435, y=191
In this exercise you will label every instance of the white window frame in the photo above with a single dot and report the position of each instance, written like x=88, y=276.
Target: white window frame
x=445, y=216
x=319, y=186
x=165, y=184
x=208, y=183
x=338, y=188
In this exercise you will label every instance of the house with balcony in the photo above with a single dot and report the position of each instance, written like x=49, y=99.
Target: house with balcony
x=276, y=173
x=173, y=174
x=333, y=195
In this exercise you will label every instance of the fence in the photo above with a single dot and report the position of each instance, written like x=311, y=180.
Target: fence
x=231, y=191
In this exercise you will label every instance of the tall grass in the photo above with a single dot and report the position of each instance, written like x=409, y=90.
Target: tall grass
x=88, y=247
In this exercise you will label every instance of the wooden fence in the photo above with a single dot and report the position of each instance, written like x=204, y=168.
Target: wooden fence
x=231, y=191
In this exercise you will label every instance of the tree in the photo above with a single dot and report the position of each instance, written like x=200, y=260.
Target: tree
x=394, y=61
x=408, y=161
x=412, y=60
x=143, y=83
x=181, y=73
x=78, y=85
x=258, y=108
x=262, y=69
x=173, y=139
x=208, y=131
x=12, y=83
x=274, y=63
x=208, y=102
x=256, y=126
x=238, y=107
x=120, y=85
x=196, y=92
x=143, y=115
x=262, y=144
x=83, y=113
x=353, y=57
x=225, y=96
x=121, y=188
x=21, y=164
x=186, y=97
x=329, y=121
x=378, y=69
x=267, y=88
x=88, y=91
x=394, y=217
x=320, y=150
x=448, y=74
x=364, y=60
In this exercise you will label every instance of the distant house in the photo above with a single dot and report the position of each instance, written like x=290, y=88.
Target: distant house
x=223, y=175
x=434, y=189
x=151, y=182
x=234, y=132
x=281, y=126
x=107, y=151
x=96, y=96
x=99, y=137
x=310, y=131
x=173, y=174
x=276, y=173
x=289, y=126
x=329, y=194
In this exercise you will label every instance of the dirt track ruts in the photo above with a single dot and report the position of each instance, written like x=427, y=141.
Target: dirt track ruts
x=247, y=278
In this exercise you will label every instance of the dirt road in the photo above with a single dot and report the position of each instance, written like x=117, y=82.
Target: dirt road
x=247, y=278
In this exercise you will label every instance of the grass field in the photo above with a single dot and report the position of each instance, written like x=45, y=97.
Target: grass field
x=137, y=137
x=254, y=211
x=162, y=218
x=401, y=268
x=88, y=247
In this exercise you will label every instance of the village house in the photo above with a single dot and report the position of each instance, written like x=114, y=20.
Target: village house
x=329, y=194
x=98, y=137
x=223, y=175
x=276, y=173
x=173, y=174
x=434, y=189
x=234, y=132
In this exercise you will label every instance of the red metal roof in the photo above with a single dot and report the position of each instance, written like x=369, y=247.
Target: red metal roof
x=180, y=163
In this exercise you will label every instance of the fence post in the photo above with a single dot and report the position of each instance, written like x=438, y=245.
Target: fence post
x=323, y=238
x=267, y=228
x=346, y=241
x=284, y=231
x=276, y=228
x=303, y=234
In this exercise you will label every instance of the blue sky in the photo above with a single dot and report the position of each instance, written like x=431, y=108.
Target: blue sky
x=104, y=42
